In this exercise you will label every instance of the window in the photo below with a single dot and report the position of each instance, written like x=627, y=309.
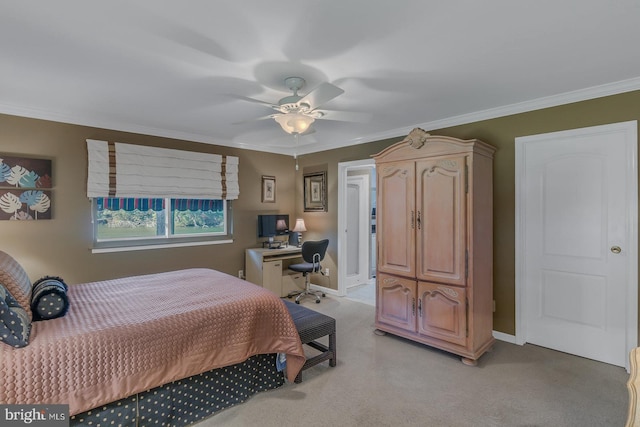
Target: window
x=149, y=197
x=125, y=222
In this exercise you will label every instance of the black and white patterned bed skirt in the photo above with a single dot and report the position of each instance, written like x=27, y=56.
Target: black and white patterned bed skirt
x=187, y=401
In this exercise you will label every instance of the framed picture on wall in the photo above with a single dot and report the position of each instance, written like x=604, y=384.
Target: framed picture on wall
x=268, y=189
x=25, y=185
x=315, y=192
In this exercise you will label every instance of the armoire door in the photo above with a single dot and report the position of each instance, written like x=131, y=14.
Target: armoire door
x=396, y=218
x=441, y=220
x=442, y=312
x=396, y=302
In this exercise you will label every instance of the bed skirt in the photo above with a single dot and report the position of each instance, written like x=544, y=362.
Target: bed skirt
x=190, y=400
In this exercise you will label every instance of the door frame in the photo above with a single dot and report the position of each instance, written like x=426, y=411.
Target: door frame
x=630, y=128
x=343, y=169
x=364, y=230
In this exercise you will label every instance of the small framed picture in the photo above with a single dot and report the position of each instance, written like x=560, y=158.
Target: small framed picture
x=315, y=192
x=268, y=189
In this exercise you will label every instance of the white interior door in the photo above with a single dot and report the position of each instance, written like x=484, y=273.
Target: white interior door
x=577, y=239
x=357, y=254
x=344, y=170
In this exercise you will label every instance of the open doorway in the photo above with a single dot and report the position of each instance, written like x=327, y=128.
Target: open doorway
x=356, y=230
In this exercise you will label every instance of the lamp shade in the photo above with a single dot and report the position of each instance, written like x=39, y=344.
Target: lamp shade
x=281, y=225
x=294, y=123
x=299, y=225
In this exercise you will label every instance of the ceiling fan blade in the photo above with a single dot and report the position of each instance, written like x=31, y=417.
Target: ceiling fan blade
x=325, y=92
x=270, y=116
x=255, y=101
x=345, y=116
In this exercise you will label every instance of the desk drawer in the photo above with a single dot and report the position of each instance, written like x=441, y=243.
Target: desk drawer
x=292, y=281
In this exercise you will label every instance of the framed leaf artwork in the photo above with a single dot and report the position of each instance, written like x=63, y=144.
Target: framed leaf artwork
x=23, y=181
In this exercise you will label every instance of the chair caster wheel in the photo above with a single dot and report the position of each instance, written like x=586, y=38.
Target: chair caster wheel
x=324, y=295
x=297, y=302
x=317, y=301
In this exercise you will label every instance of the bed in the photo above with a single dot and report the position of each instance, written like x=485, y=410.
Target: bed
x=125, y=339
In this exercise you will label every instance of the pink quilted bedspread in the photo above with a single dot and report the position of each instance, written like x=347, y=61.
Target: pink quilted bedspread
x=128, y=335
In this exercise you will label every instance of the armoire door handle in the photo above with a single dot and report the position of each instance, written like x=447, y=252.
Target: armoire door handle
x=412, y=221
x=419, y=221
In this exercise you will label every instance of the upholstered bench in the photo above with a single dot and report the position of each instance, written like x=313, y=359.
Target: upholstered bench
x=312, y=325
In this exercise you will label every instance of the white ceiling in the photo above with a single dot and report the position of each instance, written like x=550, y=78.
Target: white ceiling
x=180, y=69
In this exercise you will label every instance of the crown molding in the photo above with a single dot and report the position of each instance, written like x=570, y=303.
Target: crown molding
x=608, y=89
x=101, y=123
x=92, y=121
x=594, y=92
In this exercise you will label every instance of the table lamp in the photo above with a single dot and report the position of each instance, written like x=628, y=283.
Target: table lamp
x=298, y=229
x=281, y=225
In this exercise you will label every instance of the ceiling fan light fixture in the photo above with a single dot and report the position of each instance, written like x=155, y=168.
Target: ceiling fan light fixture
x=294, y=123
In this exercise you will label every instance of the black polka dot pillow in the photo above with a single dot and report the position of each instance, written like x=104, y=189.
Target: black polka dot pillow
x=49, y=298
x=14, y=321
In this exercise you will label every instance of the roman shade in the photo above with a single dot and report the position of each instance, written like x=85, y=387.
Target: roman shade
x=135, y=171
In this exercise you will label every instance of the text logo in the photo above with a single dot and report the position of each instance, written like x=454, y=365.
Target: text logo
x=34, y=415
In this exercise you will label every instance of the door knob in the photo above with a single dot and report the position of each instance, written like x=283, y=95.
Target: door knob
x=616, y=249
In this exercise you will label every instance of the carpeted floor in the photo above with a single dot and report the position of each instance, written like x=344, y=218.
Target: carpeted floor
x=389, y=381
x=365, y=293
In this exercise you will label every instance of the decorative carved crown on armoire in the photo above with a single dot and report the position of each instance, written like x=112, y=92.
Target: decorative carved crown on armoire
x=434, y=281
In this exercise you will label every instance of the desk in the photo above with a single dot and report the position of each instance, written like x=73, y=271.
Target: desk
x=269, y=268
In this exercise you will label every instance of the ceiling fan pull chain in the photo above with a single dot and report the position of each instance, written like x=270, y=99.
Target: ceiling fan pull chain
x=295, y=152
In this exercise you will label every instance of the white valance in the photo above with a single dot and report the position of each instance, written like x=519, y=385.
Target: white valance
x=126, y=170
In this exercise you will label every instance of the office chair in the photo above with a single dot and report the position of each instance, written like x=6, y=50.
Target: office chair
x=312, y=254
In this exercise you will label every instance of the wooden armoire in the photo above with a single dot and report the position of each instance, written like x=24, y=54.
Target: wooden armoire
x=434, y=280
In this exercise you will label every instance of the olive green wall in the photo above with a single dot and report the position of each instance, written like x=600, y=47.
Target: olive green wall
x=500, y=133
x=61, y=246
x=322, y=225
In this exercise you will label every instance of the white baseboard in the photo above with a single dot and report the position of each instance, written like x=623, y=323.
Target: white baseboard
x=328, y=291
x=504, y=337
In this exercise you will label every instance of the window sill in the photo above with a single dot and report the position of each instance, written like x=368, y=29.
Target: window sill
x=157, y=246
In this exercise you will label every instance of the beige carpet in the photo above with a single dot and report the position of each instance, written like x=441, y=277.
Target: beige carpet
x=389, y=381
x=365, y=294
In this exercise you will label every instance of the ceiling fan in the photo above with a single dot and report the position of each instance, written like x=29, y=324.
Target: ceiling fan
x=296, y=113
